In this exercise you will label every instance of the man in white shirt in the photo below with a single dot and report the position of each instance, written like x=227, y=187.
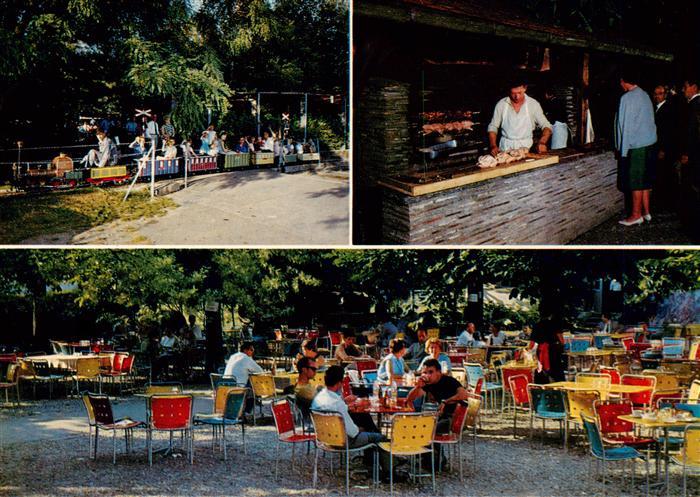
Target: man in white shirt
x=516, y=117
x=241, y=364
x=330, y=399
x=496, y=338
x=268, y=142
x=468, y=339
x=195, y=328
x=153, y=130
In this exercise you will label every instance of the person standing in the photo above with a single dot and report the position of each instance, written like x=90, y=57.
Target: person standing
x=667, y=120
x=635, y=137
x=167, y=131
x=549, y=338
x=691, y=149
x=153, y=130
x=516, y=117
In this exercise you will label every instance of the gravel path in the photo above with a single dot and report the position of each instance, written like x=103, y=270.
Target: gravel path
x=44, y=451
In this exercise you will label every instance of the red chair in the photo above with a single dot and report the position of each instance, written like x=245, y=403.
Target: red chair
x=463, y=411
x=615, y=430
x=170, y=413
x=641, y=399
x=506, y=374
x=347, y=389
x=613, y=373
x=627, y=342
x=286, y=430
x=521, y=400
x=479, y=385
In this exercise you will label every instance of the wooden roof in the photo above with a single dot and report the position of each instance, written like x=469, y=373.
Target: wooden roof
x=493, y=18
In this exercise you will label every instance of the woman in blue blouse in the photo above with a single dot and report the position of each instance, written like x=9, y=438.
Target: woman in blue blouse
x=392, y=366
x=434, y=348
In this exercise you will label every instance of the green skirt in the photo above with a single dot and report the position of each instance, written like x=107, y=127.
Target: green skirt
x=637, y=171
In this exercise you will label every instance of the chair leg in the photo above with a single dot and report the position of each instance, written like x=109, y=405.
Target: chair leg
x=315, y=478
x=461, y=470
x=347, y=471
x=191, y=446
x=150, y=448
x=432, y=467
x=223, y=437
x=391, y=474
x=97, y=438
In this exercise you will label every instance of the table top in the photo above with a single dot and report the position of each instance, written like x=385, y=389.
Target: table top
x=658, y=423
x=614, y=388
x=365, y=405
x=597, y=352
x=194, y=393
x=62, y=357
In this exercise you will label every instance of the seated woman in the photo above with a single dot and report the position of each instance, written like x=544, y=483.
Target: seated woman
x=393, y=366
x=309, y=349
x=139, y=145
x=434, y=349
x=187, y=150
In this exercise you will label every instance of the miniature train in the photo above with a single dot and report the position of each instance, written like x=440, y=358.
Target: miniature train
x=62, y=174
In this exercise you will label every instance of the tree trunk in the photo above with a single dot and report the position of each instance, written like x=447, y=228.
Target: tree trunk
x=215, y=340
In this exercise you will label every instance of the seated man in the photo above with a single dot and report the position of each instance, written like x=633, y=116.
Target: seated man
x=304, y=391
x=330, y=399
x=468, y=337
x=348, y=351
x=417, y=350
x=440, y=388
x=102, y=156
x=496, y=338
x=241, y=364
x=242, y=146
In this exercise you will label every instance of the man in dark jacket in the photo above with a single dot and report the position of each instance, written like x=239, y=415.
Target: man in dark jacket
x=690, y=157
x=667, y=122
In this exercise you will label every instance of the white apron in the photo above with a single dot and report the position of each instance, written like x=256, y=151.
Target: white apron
x=516, y=128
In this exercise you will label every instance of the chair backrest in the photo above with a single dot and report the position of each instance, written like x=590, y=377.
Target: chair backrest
x=474, y=372
x=694, y=352
x=608, y=412
x=627, y=342
x=127, y=364
x=101, y=408
x=369, y=376
x=41, y=368
x=641, y=398
x=581, y=402
x=694, y=391
x=477, y=355
x=117, y=361
x=613, y=373
x=365, y=365
x=594, y=380
x=473, y=407
x=335, y=337
x=284, y=420
x=12, y=372
x=507, y=373
x=460, y=375
x=479, y=385
x=105, y=362
x=413, y=431
x=664, y=381
x=25, y=368
x=164, y=388
x=691, y=447
x=347, y=389
x=672, y=347
x=329, y=428
x=546, y=400
x=579, y=344
x=88, y=408
x=263, y=385
x=318, y=380
x=220, y=395
x=459, y=417
x=170, y=412
x=235, y=403
x=88, y=367
x=518, y=388
x=594, y=439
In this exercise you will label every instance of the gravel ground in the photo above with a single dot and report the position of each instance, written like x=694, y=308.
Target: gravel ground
x=44, y=451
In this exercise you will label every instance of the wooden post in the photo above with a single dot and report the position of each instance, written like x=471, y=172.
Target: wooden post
x=585, y=82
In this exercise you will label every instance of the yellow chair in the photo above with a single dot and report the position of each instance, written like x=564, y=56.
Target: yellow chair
x=12, y=382
x=87, y=369
x=317, y=380
x=263, y=386
x=694, y=353
x=412, y=434
x=329, y=428
x=228, y=407
x=578, y=402
x=27, y=371
x=694, y=392
x=460, y=375
x=689, y=457
x=666, y=383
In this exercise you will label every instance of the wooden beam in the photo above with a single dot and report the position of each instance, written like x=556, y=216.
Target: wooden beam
x=415, y=15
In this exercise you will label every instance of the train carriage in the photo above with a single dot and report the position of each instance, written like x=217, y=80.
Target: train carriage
x=262, y=159
x=235, y=160
x=204, y=163
x=164, y=167
x=109, y=174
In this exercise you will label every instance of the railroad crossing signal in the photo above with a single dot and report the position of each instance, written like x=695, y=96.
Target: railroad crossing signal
x=145, y=113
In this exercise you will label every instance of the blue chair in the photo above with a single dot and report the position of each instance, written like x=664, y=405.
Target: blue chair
x=369, y=376
x=546, y=404
x=614, y=454
x=579, y=344
x=474, y=373
x=673, y=348
x=231, y=414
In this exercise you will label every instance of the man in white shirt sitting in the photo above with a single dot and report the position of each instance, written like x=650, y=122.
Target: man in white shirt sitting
x=195, y=328
x=468, y=339
x=330, y=399
x=496, y=338
x=241, y=365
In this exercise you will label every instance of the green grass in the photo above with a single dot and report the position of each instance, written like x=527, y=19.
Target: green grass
x=28, y=216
